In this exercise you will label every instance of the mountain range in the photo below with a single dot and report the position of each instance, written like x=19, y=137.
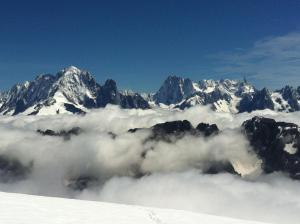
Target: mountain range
x=72, y=90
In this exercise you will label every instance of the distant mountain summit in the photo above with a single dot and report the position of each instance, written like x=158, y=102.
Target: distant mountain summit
x=226, y=95
x=69, y=91
x=73, y=90
x=174, y=90
x=223, y=95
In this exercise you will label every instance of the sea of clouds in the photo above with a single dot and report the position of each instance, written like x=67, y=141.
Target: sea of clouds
x=174, y=178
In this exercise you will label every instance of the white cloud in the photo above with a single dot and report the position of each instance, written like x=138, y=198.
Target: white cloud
x=273, y=198
x=175, y=180
x=271, y=62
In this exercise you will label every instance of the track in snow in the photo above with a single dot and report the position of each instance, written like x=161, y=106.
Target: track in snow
x=26, y=209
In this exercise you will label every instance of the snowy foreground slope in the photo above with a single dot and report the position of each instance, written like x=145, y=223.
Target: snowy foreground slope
x=26, y=209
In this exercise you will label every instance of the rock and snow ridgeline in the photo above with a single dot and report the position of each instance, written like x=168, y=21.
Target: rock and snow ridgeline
x=75, y=91
x=69, y=91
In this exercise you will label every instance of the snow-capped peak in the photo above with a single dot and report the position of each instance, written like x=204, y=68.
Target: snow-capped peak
x=71, y=90
x=223, y=94
x=78, y=90
x=71, y=69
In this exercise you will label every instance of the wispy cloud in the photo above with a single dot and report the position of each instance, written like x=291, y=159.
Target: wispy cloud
x=272, y=62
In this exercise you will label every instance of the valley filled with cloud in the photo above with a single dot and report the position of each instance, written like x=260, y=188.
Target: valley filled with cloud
x=106, y=162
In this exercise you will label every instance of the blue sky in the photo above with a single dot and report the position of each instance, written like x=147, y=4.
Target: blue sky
x=140, y=43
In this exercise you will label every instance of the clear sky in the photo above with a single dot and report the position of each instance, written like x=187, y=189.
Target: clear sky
x=139, y=43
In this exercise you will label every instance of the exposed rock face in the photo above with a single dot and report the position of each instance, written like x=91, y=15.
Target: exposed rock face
x=78, y=87
x=108, y=94
x=204, y=98
x=291, y=96
x=259, y=101
x=22, y=96
x=226, y=96
x=173, y=127
x=70, y=90
x=76, y=91
x=207, y=129
x=177, y=129
x=134, y=101
x=65, y=134
x=71, y=108
x=276, y=143
x=173, y=90
x=222, y=95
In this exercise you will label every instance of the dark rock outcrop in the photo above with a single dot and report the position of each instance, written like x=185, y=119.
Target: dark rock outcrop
x=291, y=95
x=73, y=109
x=173, y=90
x=173, y=127
x=276, y=143
x=173, y=130
x=207, y=129
x=169, y=131
x=259, y=101
x=65, y=134
x=134, y=101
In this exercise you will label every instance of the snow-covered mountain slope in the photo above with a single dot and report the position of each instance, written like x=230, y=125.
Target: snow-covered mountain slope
x=69, y=91
x=27, y=209
x=223, y=95
x=75, y=91
x=226, y=95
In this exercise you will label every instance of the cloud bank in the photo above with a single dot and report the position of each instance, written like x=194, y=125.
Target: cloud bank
x=174, y=177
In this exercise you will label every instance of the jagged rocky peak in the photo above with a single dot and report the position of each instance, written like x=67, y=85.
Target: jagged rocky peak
x=81, y=88
x=3, y=96
x=72, y=76
x=236, y=87
x=71, y=71
x=111, y=84
x=174, y=90
x=207, y=84
x=244, y=88
x=128, y=92
x=22, y=96
x=108, y=94
x=259, y=100
x=71, y=90
x=77, y=86
x=298, y=91
x=262, y=100
x=276, y=143
x=291, y=97
x=44, y=77
x=168, y=130
x=76, y=91
x=223, y=95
